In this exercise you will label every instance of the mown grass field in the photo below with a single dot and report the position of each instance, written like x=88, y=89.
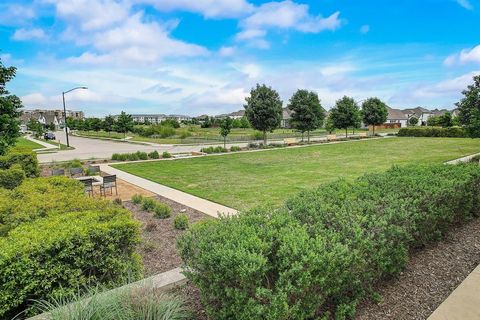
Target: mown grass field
x=244, y=180
x=27, y=144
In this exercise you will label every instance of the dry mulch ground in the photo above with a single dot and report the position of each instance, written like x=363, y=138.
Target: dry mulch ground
x=159, y=236
x=430, y=276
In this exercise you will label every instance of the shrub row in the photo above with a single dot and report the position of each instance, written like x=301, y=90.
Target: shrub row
x=214, y=150
x=452, y=132
x=26, y=159
x=139, y=155
x=159, y=209
x=325, y=249
x=55, y=240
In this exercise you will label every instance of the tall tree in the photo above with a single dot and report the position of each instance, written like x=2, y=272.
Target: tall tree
x=345, y=114
x=374, y=112
x=469, y=108
x=36, y=127
x=124, y=123
x=109, y=123
x=225, y=128
x=9, y=110
x=307, y=112
x=264, y=109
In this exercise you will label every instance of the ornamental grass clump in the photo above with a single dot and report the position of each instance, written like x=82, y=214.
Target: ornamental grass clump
x=325, y=249
x=162, y=211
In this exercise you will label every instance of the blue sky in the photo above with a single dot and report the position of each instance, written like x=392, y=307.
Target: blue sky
x=203, y=56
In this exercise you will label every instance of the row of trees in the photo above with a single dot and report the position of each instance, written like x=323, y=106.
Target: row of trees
x=263, y=110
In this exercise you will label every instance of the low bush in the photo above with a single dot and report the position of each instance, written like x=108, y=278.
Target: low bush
x=235, y=149
x=181, y=221
x=137, y=198
x=149, y=204
x=12, y=177
x=218, y=149
x=154, y=155
x=133, y=157
x=452, y=132
x=26, y=159
x=318, y=255
x=162, y=211
x=142, y=155
x=166, y=155
x=122, y=304
x=56, y=255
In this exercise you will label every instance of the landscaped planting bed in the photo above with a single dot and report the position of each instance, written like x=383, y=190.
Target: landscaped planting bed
x=244, y=180
x=157, y=247
x=326, y=249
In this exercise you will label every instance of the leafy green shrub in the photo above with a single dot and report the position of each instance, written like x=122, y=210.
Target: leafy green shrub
x=148, y=204
x=142, y=155
x=26, y=159
x=132, y=157
x=235, y=148
x=11, y=178
x=56, y=255
x=116, y=156
x=166, y=155
x=452, y=132
x=181, y=221
x=125, y=303
x=325, y=248
x=137, y=198
x=40, y=197
x=257, y=135
x=218, y=149
x=162, y=210
x=154, y=155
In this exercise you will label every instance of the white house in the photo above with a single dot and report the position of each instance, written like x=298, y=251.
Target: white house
x=396, y=116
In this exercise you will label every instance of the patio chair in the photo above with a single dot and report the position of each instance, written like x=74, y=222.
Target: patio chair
x=88, y=186
x=58, y=172
x=74, y=172
x=93, y=170
x=109, y=182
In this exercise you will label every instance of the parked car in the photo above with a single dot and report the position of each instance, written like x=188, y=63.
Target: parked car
x=49, y=136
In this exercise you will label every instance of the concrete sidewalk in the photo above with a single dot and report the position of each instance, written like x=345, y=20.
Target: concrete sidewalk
x=208, y=207
x=463, y=303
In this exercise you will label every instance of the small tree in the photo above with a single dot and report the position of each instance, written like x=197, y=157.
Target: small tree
x=96, y=124
x=225, y=128
x=9, y=110
x=469, y=108
x=374, y=112
x=36, y=127
x=109, y=124
x=412, y=121
x=446, y=120
x=124, y=123
x=264, y=109
x=329, y=126
x=308, y=113
x=345, y=114
x=433, y=121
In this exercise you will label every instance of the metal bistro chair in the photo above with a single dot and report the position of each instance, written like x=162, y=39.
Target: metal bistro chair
x=109, y=182
x=58, y=172
x=93, y=169
x=76, y=172
x=88, y=186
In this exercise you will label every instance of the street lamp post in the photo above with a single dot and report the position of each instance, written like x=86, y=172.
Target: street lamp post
x=65, y=111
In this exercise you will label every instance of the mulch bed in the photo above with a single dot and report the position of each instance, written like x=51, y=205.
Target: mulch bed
x=430, y=276
x=159, y=236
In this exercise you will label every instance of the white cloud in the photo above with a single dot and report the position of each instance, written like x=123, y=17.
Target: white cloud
x=15, y=14
x=365, y=29
x=208, y=8
x=463, y=57
x=91, y=14
x=285, y=15
x=227, y=51
x=466, y=4
x=29, y=34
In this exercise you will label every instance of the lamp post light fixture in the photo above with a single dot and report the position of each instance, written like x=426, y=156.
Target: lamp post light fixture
x=65, y=110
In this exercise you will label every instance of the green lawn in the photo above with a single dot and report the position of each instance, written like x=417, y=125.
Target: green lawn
x=244, y=180
x=27, y=144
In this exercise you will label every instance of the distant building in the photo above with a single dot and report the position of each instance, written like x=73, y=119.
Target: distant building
x=158, y=118
x=420, y=113
x=397, y=116
x=286, y=116
x=47, y=117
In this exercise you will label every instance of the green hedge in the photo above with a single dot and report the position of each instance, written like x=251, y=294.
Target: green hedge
x=326, y=248
x=453, y=132
x=39, y=197
x=26, y=159
x=58, y=255
x=12, y=177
